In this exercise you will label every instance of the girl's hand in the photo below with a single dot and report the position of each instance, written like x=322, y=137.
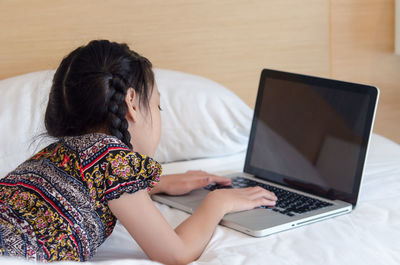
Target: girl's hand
x=235, y=200
x=183, y=245
x=178, y=184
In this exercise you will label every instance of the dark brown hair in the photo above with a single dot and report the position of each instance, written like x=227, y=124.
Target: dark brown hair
x=89, y=88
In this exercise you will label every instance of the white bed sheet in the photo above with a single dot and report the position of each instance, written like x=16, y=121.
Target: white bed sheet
x=368, y=235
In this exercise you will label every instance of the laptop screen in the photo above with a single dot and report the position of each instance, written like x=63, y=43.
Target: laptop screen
x=311, y=133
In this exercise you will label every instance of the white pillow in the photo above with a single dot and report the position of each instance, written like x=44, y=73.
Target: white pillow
x=200, y=118
x=23, y=101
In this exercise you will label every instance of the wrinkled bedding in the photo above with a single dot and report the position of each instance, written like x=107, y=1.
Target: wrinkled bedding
x=368, y=235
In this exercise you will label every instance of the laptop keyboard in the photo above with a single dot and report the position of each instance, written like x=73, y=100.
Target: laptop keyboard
x=288, y=203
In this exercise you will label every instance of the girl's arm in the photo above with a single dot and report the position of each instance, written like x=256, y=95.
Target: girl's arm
x=160, y=242
x=178, y=184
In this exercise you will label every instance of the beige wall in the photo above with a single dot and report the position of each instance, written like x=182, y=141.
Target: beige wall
x=362, y=49
x=229, y=41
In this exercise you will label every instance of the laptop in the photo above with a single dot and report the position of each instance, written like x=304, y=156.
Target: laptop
x=308, y=144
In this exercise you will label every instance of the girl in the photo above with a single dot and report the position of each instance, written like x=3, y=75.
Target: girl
x=62, y=203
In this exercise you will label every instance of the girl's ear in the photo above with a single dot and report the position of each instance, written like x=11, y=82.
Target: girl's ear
x=131, y=102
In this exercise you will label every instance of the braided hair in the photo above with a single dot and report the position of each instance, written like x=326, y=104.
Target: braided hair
x=89, y=88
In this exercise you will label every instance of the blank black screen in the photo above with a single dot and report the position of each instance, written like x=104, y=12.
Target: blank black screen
x=311, y=134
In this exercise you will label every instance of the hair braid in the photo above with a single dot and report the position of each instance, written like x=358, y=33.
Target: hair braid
x=89, y=88
x=118, y=124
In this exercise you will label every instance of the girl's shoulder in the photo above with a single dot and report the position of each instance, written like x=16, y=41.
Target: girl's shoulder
x=111, y=168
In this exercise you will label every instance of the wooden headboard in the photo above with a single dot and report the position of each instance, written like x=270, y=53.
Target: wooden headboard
x=229, y=41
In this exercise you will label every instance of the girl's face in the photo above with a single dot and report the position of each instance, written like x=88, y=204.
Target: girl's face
x=144, y=125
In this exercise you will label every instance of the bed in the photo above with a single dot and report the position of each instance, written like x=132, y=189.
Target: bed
x=209, y=131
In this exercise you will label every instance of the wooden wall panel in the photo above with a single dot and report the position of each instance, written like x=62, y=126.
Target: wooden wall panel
x=229, y=41
x=363, y=51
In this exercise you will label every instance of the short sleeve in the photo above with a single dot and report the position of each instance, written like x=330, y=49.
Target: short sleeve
x=129, y=172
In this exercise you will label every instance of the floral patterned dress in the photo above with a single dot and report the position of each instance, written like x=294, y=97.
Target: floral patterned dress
x=54, y=205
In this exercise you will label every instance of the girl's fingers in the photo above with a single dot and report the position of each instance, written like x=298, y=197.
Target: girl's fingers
x=200, y=174
x=221, y=180
x=257, y=192
x=264, y=202
x=199, y=183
